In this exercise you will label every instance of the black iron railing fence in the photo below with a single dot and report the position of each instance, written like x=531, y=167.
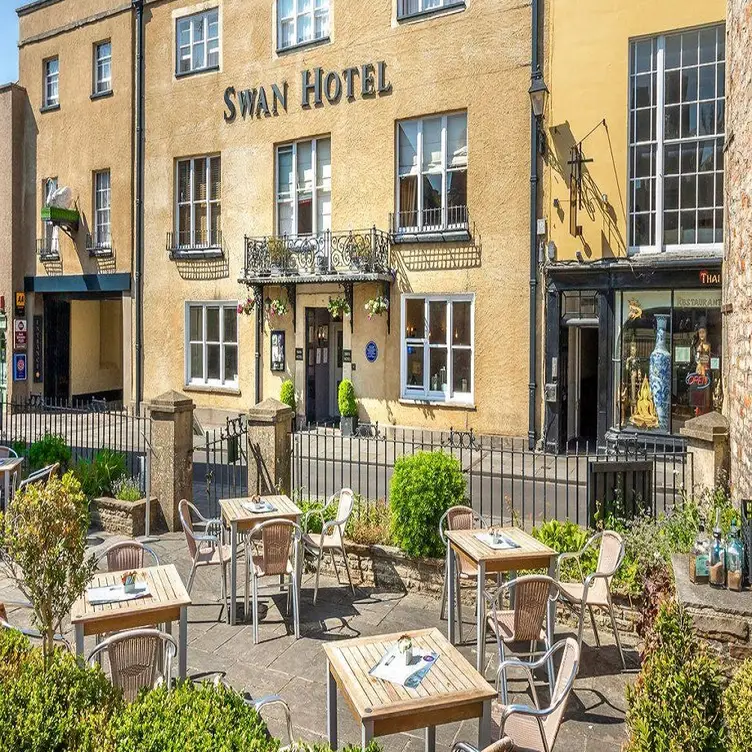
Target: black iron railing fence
x=198, y=244
x=86, y=427
x=505, y=481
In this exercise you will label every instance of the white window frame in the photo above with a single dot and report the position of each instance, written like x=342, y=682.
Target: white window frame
x=192, y=202
x=51, y=88
x=318, y=9
x=445, y=170
x=50, y=232
x=660, y=142
x=102, y=210
x=224, y=306
x=102, y=83
x=426, y=394
x=185, y=52
x=315, y=188
x=426, y=7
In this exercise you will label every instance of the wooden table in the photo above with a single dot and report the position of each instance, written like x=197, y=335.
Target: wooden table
x=532, y=554
x=240, y=520
x=451, y=691
x=8, y=466
x=168, y=601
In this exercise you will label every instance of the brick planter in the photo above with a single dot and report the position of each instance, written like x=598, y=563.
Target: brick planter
x=122, y=517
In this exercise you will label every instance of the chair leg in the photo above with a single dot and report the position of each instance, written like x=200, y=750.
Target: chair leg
x=334, y=565
x=458, y=590
x=347, y=569
x=503, y=689
x=318, y=572
x=595, y=626
x=191, y=577
x=581, y=627
x=616, y=635
x=247, y=567
x=442, y=614
x=295, y=607
x=255, y=610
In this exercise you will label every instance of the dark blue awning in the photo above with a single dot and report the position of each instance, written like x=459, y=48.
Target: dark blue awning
x=72, y=283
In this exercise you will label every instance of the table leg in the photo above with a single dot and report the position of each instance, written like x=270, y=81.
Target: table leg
x=79, y=640
x=451, y=594
x=431, y=739
x=331, y=707
x=233, y=572
x=366, y=733
x=551, y=625
x=6, y=496
x=484, y=726
x=183, y=643
x=481, y=616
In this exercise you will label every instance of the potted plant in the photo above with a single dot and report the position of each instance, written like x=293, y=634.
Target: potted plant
x=377, y=306
x=277, y=307
x=360, y=254
x=247, y=307
x=278, y=255
x=338, y=307
x=348, y=408
x=405, y=649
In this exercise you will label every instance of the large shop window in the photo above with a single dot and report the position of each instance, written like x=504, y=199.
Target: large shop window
x=437, y=347
x=102, y=202
x=199, y=208
x=51, y=96
x=407, y=8
x=670, y=353
x=301, y=22
x=198, y=42
x=432, y=173
x=212, y=344
x=304, y=187
x=677, y=131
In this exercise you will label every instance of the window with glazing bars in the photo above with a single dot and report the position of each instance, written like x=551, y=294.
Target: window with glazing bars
x=212, y=344
x=198, y=42
x=102, y=198
x=301, y=21
x=51, y=82
x=102, y=67
x=407, y=8
x=677, y=132
x=199, y=209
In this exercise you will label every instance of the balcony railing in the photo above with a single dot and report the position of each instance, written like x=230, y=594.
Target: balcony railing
x=48, y=249
x=442, y=223
x=355, y=253
x=195, y=245
x=99, y=248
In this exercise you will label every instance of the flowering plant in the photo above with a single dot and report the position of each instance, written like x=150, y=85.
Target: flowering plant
x=247, y=307
x=377, y=306
x=338, y=307
x=278, y=307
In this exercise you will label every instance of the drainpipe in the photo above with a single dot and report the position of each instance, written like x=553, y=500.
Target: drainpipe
x=534, y=68
x=259, y=341
x=138, y=256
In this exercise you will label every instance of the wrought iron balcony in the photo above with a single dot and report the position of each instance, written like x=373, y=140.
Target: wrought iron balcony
x=48, y=248
x=187, y=245
x=435, y=224
x=353, y=255
x=99, y=248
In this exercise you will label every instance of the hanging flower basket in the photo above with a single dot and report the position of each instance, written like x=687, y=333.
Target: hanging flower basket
x=377, y=306
x=338, y=307
x=277, y=307
x=247, y=307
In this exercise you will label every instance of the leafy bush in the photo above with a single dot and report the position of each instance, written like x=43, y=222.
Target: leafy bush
x=348, y=407
x=63, y=707
x=127, y=489
x=423, y=487
x=98, y=476
x=676, y=702
x=313, y=523
x=568, y=537
x=737, y=706
x=370, y=523
x=287, y=394
x=50, y=449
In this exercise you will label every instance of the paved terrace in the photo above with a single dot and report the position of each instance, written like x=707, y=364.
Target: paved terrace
x=594, y=720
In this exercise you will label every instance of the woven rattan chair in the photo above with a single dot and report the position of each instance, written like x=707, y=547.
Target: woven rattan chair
x=206, y=548
x=33, y=634
x=135, y=657
x=280, y=549
x=332, y=537
x=127, y=555
x=594, y=591
x=528, y=728
x=524, y=623
x=459, y=518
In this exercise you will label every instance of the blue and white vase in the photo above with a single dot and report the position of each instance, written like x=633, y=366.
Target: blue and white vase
x=660, y=373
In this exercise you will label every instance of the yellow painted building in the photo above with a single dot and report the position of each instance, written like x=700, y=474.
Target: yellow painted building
x=633, y=201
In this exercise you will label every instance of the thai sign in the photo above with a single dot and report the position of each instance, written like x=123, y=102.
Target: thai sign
x=317, y=86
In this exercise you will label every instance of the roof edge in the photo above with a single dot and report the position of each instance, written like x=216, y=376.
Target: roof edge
x=11, y=85
x=34, y=5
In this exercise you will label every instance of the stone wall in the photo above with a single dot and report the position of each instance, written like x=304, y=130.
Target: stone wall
x=122, y=517
x=738, y=267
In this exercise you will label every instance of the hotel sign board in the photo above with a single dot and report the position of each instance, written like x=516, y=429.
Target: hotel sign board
x=317, y=86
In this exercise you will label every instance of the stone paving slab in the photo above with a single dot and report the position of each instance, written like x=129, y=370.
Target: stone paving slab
x=296, y=670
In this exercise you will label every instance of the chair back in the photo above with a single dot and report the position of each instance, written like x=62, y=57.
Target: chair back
x=345, y=507
x=568, y=668
x=460, y=518
x=126, y=555
x=611, y=554
x=39, y=476
x=531, y=597
x=6, y=452
x=186, y=521
x=279, y=539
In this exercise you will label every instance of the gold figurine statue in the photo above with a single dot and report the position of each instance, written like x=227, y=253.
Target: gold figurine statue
x=718, y=395
x=645, y=416
x=702, y=351
x=632, y=366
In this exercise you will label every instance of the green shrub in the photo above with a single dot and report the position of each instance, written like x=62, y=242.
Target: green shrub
x=423, y=487
x=190, y=718
x=287, y=394
x=370, y=523
x=98, y=476
x=348, y=407
x=127, y=489
x=737, y=706
x=568, y=537
x=676, y=702
x=50, y=449
x=65, y=707
x=313, y=523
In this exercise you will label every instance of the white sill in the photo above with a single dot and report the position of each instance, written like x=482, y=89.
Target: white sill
x=218, y=388
x=455, y=404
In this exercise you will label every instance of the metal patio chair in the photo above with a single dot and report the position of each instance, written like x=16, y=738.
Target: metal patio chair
x=6, y=451
x=595, y=590
x=459, y=518
x=33, y=634
x=126, y=555
x=331, y=538
x=269, y=701
x=135, y=657
x=279, y=557
x=530, y=728
x=39, y=476
x=524, y=622
x=206, y=548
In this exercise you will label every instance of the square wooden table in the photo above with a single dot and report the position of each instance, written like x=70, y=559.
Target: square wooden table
x=240, y=520
x=531, y=554
x=168, y=601
x=451, y=691
x=8, y=466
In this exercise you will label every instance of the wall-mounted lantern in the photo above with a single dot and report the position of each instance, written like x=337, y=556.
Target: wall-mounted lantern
x=538, y=92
